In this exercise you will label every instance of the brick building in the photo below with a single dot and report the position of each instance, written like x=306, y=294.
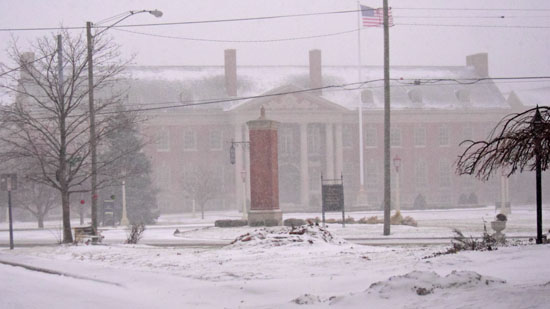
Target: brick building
x=432, y=112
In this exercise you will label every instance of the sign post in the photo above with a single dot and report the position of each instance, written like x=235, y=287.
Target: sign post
x=8, y=182
x=332, y=192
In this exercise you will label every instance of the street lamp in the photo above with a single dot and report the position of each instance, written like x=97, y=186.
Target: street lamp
x=397, y=165
x=537, y=124
x=93, y=150
x=124, y=220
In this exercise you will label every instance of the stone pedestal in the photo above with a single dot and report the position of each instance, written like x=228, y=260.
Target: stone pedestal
x=264, y=171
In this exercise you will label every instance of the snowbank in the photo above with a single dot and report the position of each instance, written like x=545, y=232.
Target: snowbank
x=304, y=235
x=428, y=282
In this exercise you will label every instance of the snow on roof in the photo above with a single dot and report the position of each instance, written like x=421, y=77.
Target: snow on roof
x=185, y=84
x=534, y=97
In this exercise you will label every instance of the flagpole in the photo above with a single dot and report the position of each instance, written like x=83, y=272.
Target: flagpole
x=361, y=195
x=387, y=171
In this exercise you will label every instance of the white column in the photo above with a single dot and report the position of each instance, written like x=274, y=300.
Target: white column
x=397, y=197
x=124, y=220
x=238, y=167
x=304, y=167
x=329, y=151
x=507, y=195
x=502, y=192
x=339, y=170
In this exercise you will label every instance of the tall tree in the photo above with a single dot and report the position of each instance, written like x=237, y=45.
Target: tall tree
x=47, y=127
x=201, y=183
x=37, y=199
x=123, y=148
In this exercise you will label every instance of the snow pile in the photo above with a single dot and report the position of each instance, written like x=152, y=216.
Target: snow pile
x=285, y=236
x=307, y=299
x=427, y=282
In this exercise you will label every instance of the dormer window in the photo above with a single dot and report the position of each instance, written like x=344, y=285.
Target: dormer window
x=415, y=95
x=367, y=97
x=463, y=95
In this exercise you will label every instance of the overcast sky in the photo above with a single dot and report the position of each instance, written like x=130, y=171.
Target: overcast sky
x=512, y=51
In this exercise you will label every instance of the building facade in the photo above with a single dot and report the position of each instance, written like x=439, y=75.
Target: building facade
x=201, y=110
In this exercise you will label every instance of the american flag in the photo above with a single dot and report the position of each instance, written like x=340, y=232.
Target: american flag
x=374, y=17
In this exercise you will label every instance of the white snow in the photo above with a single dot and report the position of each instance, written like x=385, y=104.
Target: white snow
x=277, y=269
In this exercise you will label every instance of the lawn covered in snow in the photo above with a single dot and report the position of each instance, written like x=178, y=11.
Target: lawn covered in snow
x=275, y=268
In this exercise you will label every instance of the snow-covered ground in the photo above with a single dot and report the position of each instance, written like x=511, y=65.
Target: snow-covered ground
x=270, y=268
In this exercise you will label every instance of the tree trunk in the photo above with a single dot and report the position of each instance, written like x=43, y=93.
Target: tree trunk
x=67, y=234
x=40, y=221
x=202, y=210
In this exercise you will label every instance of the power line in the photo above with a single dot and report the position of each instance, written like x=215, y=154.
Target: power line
x=472, y=26
x=471, y=9
x=240, y=41
x=189, y=22
x=286, y=16
x=470, y=16
x=18, y=68
x=336, y=87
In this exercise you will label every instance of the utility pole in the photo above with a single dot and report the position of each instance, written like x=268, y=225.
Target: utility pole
x=387, y=181
x=93, y=152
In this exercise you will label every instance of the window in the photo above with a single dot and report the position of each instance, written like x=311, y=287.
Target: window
x=164, y=176
x=444, y=139
x=218, y=179
x=467, y=133
x=395, y=137
x=370, y=137
x=420, y=173
x=314, y=139
x=314, y=178
x=347, y=136
x=286, y=141
x=420, y=136
x=189, y=140
x=444, y=173
x=371, y=175
x=215, y=140
x=163, y=140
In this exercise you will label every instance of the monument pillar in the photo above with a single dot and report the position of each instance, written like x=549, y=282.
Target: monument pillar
x=264, y=171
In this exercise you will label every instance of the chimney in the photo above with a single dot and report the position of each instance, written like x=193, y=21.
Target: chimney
x=26, y=62
x=27, y=57
x=231, y=72
x=480, y=62
x=315, y=71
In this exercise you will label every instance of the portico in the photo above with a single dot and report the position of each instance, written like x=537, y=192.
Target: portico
x=310, y=143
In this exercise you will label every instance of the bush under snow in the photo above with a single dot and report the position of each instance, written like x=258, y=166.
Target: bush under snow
x=284, y=235
x=424, y=283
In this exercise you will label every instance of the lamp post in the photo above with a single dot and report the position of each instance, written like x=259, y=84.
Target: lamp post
x=397, y=165
x=93, y=145
x=537, y=125
x=124, y=220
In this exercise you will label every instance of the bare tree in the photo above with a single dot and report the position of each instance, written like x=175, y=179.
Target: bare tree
x=513, y=144
x=202, y=184
x=47, y=128
x=37, y=199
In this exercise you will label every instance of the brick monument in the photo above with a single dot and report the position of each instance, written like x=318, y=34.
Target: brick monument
x=264, y=171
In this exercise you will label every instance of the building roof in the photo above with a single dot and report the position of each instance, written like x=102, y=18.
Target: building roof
x=194, y=84
x=530, y=97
